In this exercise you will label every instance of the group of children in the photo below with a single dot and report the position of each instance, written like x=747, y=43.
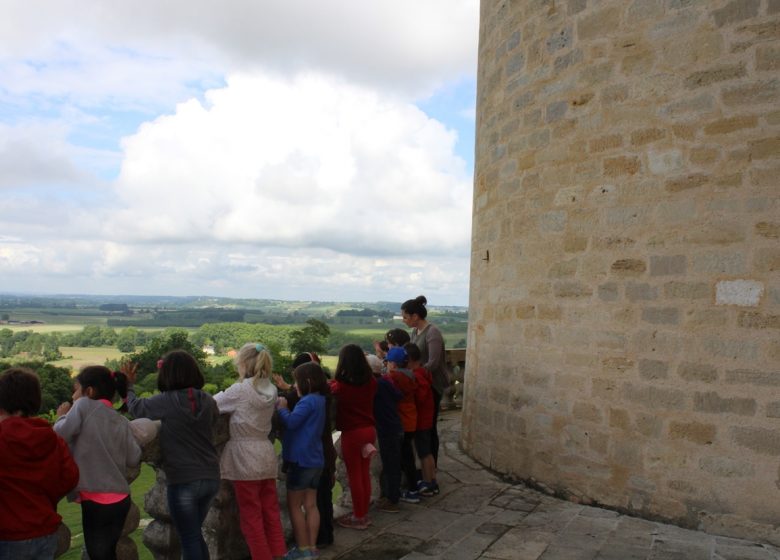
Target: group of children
x=92, y=446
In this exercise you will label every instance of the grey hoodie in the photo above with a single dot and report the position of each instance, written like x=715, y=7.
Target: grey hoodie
x=186, y=433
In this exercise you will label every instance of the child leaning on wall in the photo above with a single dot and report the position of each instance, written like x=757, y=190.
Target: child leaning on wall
x=36, y=471
x=189, y=458
x=104, y=448
x=249, y=458
x=303, y=454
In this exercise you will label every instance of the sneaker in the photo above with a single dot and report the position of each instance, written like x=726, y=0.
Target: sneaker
x=410, y=497
x=353, y=522
x=427, y=489
x=295, y=553
x=368, y=451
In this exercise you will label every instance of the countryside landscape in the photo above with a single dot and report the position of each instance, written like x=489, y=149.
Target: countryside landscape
x=57, y=335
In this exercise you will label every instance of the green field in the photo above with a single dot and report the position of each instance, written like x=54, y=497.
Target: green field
x=78, y=357
x=71, y=516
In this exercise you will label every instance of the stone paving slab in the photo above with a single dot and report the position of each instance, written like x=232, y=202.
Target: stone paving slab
x=480, y=517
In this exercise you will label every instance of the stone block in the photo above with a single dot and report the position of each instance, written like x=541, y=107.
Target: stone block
x=695, y=432
x=641, y=292
x=572, y=290
x=668, y=265
x=686, y=290
x=745, y=350
x=764, y=91
x=632, y=267
x=587, y=411
x=712, y=403
x=661, y=315
x=664, y=162
x=773, y=409
x=603, y=143
x=739, y=292
x=753, y=377
x=650, y=370
x=704, y=155
x=686, y=182
x=697, y=372
x=767, y=259
x=719, y=263
x=621, y=165
x=714, y=75
x=755, y=320
x=736, y=11
x=598, y=24
x=770, y=230
x=727, y=467
x=647, y=135
x=763, y=441
x=654, y=397
x=732, y=124
x=608, y=292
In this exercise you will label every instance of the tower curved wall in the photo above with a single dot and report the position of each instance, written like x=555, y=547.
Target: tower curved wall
x=624, y=337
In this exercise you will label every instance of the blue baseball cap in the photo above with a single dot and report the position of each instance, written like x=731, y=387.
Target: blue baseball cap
x=397, y=355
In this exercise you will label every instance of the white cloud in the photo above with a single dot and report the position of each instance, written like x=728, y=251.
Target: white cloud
x=305, y=162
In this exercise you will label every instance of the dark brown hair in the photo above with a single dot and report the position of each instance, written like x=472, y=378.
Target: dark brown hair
x=353, y=367
x=179, y=370
x=20, y=391
x=397, y=337
x=105, y=382
x=416, y=306
x=413, y=351
x=310, y=378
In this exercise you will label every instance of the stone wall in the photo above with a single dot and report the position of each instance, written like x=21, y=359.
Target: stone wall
x=624, y=336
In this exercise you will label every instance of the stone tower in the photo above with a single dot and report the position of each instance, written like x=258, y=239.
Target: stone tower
x=624, y=339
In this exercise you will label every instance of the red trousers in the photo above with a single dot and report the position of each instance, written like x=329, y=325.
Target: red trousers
x=352, y=442
x=258, y=510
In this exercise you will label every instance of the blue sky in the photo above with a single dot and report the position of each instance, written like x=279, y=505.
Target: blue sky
x=243, y=149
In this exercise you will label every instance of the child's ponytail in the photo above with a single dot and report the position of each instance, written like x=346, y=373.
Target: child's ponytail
x=254, y=360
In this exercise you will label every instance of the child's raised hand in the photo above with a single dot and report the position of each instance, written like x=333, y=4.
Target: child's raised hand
x=280, y=382
x=281, y=403
x=130, y=369
x=63, y=409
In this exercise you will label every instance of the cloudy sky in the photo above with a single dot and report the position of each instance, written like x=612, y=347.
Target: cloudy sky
x=242, y=148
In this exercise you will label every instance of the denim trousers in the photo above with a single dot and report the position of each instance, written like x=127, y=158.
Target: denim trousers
x=188, y=504
x=39, y=548
x=103, y=524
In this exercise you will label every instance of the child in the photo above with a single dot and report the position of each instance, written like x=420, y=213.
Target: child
x=328, y=477
x=36, y=471
x=389, y=432
x=104, y=448
x=355, y=388
x=424, y=400
x=189, y=458
x=303, y=453
x=407, y=408
x=249, y=458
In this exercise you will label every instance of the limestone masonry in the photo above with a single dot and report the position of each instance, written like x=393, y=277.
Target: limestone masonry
x=624, y=337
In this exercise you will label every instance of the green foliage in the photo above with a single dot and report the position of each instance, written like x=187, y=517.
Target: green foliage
x=310, y=338
x=127, y=339
x=337, y=339
x=225, y=336
x=170, y=339
x=29, y=343
x=56, y=383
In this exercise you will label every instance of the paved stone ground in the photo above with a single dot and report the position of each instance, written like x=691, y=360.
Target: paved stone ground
x=477, y=515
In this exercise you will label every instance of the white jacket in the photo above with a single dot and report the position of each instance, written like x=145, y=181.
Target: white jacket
x=249, y=454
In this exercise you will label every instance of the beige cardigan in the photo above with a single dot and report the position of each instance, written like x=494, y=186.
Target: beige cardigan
x=249, y=454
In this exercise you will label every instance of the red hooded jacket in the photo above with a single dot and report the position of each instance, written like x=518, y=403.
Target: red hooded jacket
x=36, y=471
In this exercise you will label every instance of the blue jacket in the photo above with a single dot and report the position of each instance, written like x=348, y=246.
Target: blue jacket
x=302, y=440
x=388, y=422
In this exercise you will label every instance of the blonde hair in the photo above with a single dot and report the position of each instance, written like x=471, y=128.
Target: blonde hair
x=254, y=360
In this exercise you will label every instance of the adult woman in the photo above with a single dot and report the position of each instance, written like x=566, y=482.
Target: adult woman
x=430, y=341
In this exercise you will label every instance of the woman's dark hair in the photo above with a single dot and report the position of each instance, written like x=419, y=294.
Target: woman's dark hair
x=413, y=351
x=415, y=306
x=353, y=367
x=20, y=391
x=179, y=370
x=383, y=345
x=310, y=378
x=105, y=382
x=397, y=337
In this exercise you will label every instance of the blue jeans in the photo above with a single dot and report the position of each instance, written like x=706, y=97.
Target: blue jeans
x=188, y=504
x=40, y=548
